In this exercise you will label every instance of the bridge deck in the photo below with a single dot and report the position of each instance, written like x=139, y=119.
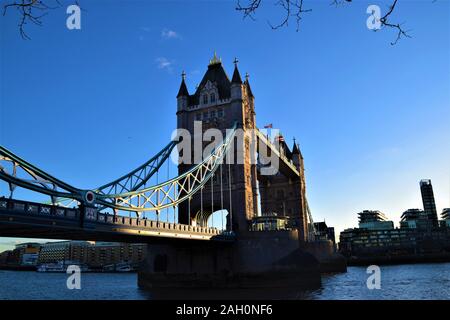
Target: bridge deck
x=36, y=220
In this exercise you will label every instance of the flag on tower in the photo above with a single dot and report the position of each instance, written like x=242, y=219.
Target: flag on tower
x=268, y=126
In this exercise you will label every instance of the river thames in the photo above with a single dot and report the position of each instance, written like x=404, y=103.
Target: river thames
x=415, y=281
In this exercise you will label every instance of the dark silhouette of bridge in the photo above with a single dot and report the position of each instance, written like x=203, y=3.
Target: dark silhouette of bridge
x=195, y=248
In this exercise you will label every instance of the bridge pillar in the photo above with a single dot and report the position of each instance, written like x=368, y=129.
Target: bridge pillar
x=255, y=260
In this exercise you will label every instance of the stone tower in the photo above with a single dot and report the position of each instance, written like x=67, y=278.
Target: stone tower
x=219, y=103
x=286, y=195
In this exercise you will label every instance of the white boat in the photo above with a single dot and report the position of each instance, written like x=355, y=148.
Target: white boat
x=123, y=267
x=60, y=266
x=52, y=267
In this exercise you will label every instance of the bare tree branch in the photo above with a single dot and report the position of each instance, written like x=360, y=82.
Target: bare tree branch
x=400, y=31
x=294, y=9
x=339, y=2
x=30, y=11
x=249, y=9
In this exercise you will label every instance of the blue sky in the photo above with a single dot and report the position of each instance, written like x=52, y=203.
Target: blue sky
x=372, y=119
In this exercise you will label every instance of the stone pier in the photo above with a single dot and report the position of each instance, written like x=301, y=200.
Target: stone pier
x=267, y=259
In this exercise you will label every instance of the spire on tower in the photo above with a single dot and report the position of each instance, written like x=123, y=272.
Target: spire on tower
x=247, y=83
x=236, y=75
x=295, y=148
x=183, y=88
x=215, y=60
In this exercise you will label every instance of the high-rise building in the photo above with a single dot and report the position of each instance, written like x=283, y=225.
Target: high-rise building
x=429, y=205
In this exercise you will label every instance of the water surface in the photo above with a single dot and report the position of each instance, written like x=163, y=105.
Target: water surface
x=414, y=281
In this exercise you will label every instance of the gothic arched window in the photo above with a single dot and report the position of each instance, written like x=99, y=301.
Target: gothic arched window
x=205, y=99
x=213, y=97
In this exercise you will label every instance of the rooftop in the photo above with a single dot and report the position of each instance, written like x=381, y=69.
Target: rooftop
x=216, y=75
x=371, y=216
x=411, y=214
x=425, y=182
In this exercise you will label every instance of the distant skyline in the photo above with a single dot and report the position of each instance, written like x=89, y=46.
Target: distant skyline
x=372, y=119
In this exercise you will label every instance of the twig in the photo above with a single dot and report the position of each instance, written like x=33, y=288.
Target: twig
x=27, y=10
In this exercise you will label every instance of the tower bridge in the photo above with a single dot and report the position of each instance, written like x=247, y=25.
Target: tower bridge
x=131, y=207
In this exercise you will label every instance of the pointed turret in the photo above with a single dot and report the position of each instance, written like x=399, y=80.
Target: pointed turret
x=183, y=94
x=236, y=75
x=297, y=156
x=247, y=83
x=295, y=149
x=183, y=88
x=236, y=83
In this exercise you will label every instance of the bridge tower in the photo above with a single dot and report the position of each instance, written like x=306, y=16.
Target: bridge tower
x=219, y=103
x=286, y=194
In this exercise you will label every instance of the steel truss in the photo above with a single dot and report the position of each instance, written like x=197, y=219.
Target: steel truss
x=34, y=178
x=126, y=193
x=139, y=176
x=172, y=192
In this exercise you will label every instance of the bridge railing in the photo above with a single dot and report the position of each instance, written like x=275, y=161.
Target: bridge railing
x=38, y=209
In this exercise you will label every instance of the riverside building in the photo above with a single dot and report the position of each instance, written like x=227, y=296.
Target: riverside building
x=420, y=235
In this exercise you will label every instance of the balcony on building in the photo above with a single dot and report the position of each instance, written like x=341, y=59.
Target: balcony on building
x=374, y=220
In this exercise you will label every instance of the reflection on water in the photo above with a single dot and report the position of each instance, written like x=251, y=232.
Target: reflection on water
x=419, y=281
x=52, y=286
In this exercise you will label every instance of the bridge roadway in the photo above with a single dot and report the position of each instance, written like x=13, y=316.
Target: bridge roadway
x=36, y=220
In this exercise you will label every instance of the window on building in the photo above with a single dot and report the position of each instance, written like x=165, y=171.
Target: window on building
x=205, y=115
x=220, y=113
x=205, y=99
x=213, y=98
x=198, y=116
x=213, y=113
